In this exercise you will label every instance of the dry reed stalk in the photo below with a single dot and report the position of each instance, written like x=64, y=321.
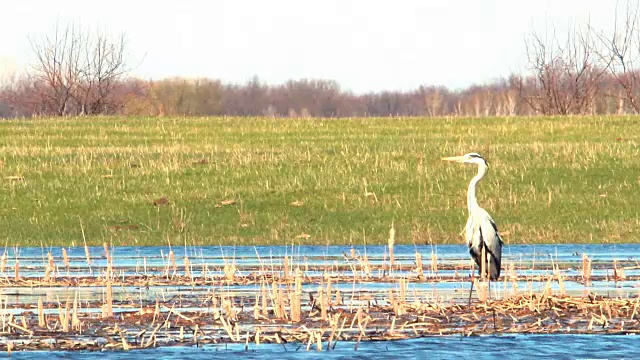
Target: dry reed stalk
x=434, y=264
x=392, y=326
x=187, y=268
x=586, y=267
x=65, y=259
x=25, y=325
x=236, y=328
x=513, y=276
x=3, y=261
x=230, y=271
x=323, y=303
x=16, y=271
x=205, y=270
x=41, y=321
x=63, y=316
x=227, y=307
x=482, y=290
x=108, y=273
x=257, y=337
x=87, y=254
x=340, y=330
x=403, y=288
x=560, y=279
x=318, y=341
x=172, y=262
x=75, y=321
x=419, y=269
x=195, y=332
x=107, y=254
x=263, y=289
x=295, y=301
x=618, y=272
x=109, y=300
x=366, y=267
x=227, y=328
x=274, y=300
x=125, y=344
x=310, y=339
x=352, y=253
x=285, y=268
x=281, y=304
x=392, y=241
x=256, y=308
x=51, y=262
x=156, y=312
x=393, y=303
x=47, y=274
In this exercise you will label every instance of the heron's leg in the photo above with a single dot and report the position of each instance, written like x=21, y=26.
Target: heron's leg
x=488, y=277
x=483, y=263
x=473, y=274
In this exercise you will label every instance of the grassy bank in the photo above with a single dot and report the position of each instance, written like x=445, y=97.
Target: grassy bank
x=266, y=181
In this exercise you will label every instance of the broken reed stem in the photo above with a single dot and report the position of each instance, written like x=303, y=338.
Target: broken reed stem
x=295, y=301
x=230, y=271
x=419, y=269
x=108, y=305
x=75, y=321
x=560, y=279
x=434, y=264
x=65, y=259
x=285, y=267
x=187, y=267
x=618, y=272
x=172, y=262
x=41, y=319
x=50, y=268
x=366, y=267
x=586, y=267
x=265, y=312
x=63, y=316
x=403, y=289
x=323, y=304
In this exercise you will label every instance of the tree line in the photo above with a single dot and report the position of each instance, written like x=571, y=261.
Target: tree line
x=78, y=72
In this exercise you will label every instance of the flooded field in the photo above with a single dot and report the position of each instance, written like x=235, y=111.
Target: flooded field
x=341, y=300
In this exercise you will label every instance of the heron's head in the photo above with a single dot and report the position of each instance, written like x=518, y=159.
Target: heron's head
x=470, y=158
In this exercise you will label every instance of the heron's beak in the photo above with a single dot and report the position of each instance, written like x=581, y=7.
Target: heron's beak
x=459, y=159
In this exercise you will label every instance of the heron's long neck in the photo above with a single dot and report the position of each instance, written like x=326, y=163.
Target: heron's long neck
x=472, y=202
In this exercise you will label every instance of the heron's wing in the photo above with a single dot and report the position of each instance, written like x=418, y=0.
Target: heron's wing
x=493, y=243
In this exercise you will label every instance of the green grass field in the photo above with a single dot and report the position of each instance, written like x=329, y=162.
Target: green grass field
x=321, y=181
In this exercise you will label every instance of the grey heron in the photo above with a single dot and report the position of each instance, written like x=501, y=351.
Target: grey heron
x=481, y=231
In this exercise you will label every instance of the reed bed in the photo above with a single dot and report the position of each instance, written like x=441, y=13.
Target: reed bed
x=301, y=305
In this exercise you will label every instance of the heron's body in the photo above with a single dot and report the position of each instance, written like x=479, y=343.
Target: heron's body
x=481, y=231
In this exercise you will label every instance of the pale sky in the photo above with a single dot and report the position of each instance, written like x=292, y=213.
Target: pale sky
x=365, y=45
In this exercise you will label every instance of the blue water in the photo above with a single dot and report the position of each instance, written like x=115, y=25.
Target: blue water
x=218, y=254
x=478, y=348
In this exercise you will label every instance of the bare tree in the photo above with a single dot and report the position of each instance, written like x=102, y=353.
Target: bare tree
x=565, y=77
x=621, y=53
x=78, y=70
